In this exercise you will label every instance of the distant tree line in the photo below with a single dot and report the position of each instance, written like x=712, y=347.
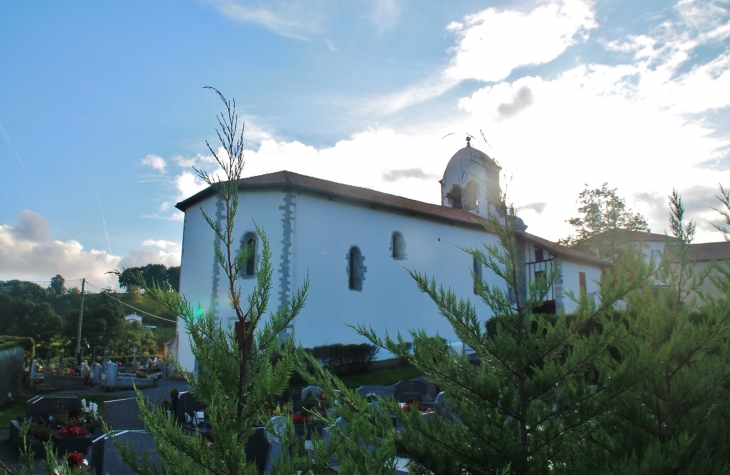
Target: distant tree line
x=153, y=274
x=50, y=316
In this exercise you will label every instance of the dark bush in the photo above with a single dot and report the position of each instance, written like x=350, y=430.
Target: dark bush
x=346, y=359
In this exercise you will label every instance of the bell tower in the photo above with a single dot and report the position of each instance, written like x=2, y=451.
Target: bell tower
x=471, y=182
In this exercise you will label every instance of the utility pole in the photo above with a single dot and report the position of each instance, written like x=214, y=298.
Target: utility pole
x=81, y=318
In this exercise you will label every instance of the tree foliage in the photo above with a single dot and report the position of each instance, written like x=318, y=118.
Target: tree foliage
x=152, y=274
x=58, y=284
x=602, y=212
x=234, y=384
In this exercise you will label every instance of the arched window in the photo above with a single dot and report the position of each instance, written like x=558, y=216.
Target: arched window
x=456, y=197
x=249, y=241
x=477, y=265
x=398, y=246
x=355, y=268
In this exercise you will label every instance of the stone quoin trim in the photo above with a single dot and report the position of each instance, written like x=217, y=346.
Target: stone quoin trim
x=216, y=266
x=287, y=226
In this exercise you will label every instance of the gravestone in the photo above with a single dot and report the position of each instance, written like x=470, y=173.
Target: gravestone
x=33, y=373
x=123, y=414
x=187, y=404
x=274, y=439
x=403, y=390
x=96, y=372
x=134, y=360
x=106, y=358
x=105, y=457
x=257, y=448
x=442, y=407
x=310, y=389
x=52, y=405
x=111, y=374
x=380, y=391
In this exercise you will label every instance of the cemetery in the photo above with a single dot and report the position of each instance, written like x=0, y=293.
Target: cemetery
x=75, y=426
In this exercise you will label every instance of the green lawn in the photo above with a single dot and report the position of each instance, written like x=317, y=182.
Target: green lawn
x=383, y=377
x=10, y=411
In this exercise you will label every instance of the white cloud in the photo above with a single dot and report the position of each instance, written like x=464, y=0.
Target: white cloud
x=28, y=252
x=154, y=161
x=295, y=19
x=163, y=245
x=494, y=42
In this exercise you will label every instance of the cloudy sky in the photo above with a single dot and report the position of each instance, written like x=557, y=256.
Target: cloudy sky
x=103, y=111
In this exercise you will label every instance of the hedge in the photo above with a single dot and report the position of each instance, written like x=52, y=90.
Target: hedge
x=7, y=342
x=345, y=359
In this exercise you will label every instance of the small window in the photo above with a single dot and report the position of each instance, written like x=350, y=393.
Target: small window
x=477, y=266
x=582, y=281
x=249, y=241
x=355, y=268
x=539, y=256
x=398, y=246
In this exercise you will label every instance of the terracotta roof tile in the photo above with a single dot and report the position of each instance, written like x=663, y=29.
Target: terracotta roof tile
x=376, y=198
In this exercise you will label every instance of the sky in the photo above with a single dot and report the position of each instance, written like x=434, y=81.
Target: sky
x=103, y=111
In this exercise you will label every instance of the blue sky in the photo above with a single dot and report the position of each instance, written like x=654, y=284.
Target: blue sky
x=103, y=111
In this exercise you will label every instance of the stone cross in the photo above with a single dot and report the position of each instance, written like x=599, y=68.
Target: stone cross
x=106, y=359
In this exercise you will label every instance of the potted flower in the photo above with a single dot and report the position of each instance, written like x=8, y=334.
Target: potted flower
x=72, y=460
x=40, y=428
x=72, y=439
x=302, y=425
x=90, y=416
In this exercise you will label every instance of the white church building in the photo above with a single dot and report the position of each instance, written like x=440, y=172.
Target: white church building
x=355, y=245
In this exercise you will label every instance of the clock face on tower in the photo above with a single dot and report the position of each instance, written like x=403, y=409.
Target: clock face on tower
x=463, y=176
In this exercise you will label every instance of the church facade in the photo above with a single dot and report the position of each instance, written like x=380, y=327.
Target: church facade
x=355, y=244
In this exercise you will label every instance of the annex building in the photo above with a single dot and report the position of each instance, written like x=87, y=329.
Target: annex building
x=355, y=245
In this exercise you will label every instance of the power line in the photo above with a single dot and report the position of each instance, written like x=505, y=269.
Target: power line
x=128, y=305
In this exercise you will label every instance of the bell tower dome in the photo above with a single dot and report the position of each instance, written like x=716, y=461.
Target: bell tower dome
x=471, y=182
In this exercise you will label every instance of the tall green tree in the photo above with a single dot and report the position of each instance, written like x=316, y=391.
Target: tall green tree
x=675, y=419
x=152, y=274
x=58, y=285
x=234, y=383
x=603, y=215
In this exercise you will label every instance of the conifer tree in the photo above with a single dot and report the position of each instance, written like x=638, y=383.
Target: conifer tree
x=542, y=383
x=675, y=419
x=233, y=382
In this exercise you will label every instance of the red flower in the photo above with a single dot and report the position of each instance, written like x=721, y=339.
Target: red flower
x=71, y=431
x=75, y=459
x=411, y=402
x=87, y=376
x=297, y=419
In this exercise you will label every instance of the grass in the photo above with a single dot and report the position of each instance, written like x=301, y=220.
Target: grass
x=381, y=377
x=10, y=411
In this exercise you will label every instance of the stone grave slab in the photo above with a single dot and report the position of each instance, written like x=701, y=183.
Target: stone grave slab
x=310, y=389
x=380, y=391
x=187, y=404
x=403, y=390
x=123, y=414
x=51, y=405
x=105, y=457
